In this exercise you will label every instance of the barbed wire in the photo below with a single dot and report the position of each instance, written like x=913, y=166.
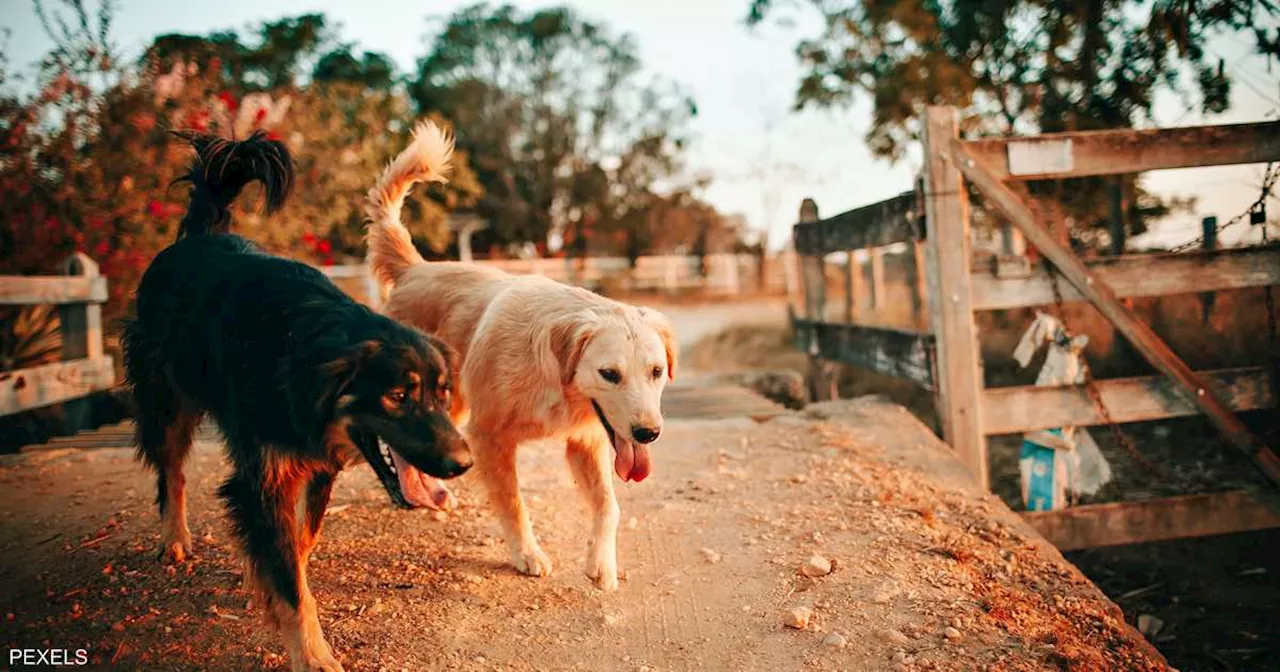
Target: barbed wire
x=1269, y=179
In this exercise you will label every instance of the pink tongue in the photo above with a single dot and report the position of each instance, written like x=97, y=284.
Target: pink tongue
x=416, y=485
x=631, y=460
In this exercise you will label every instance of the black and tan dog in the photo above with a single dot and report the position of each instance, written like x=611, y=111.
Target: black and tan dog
x=301, y=379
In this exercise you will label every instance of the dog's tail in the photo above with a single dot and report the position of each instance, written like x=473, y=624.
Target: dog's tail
x=426, y=159
x=221, y=170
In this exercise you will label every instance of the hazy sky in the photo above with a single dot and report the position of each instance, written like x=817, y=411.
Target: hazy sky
x=764, y=158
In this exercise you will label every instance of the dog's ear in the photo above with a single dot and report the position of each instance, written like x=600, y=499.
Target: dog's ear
x=662, y=325
x=569, y=339
x=322, y=386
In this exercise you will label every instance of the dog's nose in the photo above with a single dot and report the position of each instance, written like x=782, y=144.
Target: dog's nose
x=645, y=434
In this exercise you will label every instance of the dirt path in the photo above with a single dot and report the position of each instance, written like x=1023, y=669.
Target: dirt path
x=711, y=543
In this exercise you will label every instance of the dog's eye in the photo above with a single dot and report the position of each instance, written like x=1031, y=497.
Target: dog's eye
x=397, y=396
x=657, y=372
x=611, y=375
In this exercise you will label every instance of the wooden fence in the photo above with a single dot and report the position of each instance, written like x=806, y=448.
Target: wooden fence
x=724, y=274
x=84, y=368
x=946, y=356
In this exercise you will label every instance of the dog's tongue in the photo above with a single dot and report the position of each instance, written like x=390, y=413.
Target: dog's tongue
x=631, y=460
x=419, y=489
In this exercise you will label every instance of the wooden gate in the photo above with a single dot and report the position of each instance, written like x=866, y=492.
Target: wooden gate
x=969, y=412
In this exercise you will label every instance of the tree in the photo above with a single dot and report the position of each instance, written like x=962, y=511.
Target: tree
x=1022, y=66
x=564, y=131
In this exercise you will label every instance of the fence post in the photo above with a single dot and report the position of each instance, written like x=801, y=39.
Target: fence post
x=877, y=278
x=81, y=336
x=1209, y=229
x=959, y=363
x=849, y=274
x=821, y=383
x=919, y=285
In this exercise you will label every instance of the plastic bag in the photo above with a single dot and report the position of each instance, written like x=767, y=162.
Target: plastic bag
x=1057, y=461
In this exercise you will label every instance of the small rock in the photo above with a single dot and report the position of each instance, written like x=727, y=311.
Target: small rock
x=797, y=617
x=440, y=516
x=883, y=594
x=610, y=619
x=633, y=523
x=835, y=640
x=816, y=566
x=952, y=634
x=1149, y=625
x=711, y=556
x=895, y=636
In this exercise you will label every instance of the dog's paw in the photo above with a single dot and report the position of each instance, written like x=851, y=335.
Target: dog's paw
x=318, y=664
x=318, y=658
x=602, y=572
x=175, y=550
x=532, y=562
x=604, y=580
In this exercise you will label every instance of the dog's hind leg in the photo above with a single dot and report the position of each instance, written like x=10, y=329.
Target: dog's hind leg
x=263, y=504
x=496, y=462
x=165, y=428
x=590, y=465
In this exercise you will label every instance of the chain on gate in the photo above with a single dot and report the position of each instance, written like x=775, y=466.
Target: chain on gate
x=1091, y=388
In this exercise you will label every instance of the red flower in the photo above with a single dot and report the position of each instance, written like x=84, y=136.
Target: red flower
x=324, y=247
x=262, y=114
x=155, y=208
x=272, y=135
x=327, y=261
x=228, y=99
x=51, y=224
x=308, y=238
x=101, y=249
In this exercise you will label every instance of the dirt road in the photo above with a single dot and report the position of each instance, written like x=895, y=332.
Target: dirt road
x=926, y=574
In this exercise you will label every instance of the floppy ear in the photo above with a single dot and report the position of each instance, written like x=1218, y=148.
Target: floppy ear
x=659, y=323
x=569, y=338
x=318, y=389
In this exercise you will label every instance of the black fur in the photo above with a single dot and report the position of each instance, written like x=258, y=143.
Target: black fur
x=281, y=359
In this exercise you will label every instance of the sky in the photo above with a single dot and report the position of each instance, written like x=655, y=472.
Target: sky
x=763, y=157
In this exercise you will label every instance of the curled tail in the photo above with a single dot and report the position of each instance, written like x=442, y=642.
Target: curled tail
x=221, y=170
x=426, y=159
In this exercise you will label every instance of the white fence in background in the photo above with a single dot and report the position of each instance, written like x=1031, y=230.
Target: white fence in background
x=725, y=274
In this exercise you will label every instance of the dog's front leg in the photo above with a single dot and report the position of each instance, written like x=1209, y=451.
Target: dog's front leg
x=274, y=540
x=318, y=492
x=589, y=462
x=496, y=462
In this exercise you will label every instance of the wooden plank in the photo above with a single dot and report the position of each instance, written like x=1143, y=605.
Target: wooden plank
x=81, y=330
x=1132, y=276
x=878, y=287
x=948, y=249
x=1120, y=523
x=893, y=352
x=25, y=389
x=890, y=221
x=1125, y=151
x=22, y=290
x=1009, y=410
x=1100, y=294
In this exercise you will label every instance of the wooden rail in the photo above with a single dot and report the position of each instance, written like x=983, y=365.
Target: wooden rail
x=947, y=358
x=892, y=352
x=1121, y=523
x=84, y=368
x=1134, y=276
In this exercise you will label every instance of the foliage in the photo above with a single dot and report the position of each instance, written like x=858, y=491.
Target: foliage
x=87, y=162
x=566, y=133
x=1021, y=66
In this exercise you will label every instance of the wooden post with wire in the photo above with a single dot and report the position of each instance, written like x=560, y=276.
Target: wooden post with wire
x=959, y=363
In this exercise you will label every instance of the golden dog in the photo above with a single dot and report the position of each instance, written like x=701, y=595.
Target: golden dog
x=537, y=359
